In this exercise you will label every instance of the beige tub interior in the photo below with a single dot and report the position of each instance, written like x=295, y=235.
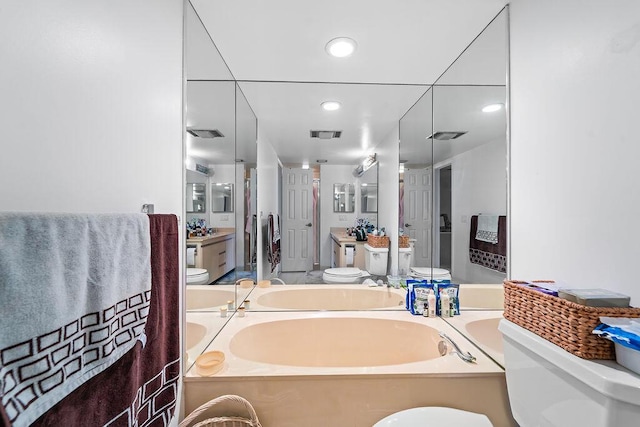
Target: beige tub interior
x=331, y=299
x=486, y=332
x=198, y=299
x=194, y=333
x=336, y=342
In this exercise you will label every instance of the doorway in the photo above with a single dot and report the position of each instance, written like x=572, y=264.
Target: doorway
x=443, y=247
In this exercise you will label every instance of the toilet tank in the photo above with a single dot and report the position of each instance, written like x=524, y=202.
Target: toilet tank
x=550, y=387
x=375, y=260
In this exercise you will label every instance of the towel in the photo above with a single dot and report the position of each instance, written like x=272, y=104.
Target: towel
x=141, y=388
x=75, y=291
x=273, y=249
x=487, y=230
x=490, y=255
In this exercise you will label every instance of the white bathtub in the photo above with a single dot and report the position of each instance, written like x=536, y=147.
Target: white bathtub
x=347, y=368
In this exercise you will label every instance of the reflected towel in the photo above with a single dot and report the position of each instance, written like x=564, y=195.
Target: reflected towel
x=493, y=256
x=487, y=230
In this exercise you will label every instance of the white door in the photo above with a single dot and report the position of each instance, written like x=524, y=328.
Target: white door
x=296, y=243
x=417, y=213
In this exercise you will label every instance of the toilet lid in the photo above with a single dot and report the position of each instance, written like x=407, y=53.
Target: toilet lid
x=434, y=416
x=428, y=271
x=344, y=272
x=191, y=272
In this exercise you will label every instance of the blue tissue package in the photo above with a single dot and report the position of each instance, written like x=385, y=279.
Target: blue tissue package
x=452, y=291
x=618, y=335
x=417, y=295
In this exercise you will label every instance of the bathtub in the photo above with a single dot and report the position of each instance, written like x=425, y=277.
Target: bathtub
x=347, y=368
x=481, y=328
x=212, y=297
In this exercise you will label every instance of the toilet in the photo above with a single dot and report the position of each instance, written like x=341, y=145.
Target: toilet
x=342, y=275
x=404, y=261
x=548, y=386
x=375, y=260
x=431, y=273
x=197, y=276
x=434, y=416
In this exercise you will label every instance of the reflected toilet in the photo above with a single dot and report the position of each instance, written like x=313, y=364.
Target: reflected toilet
x=404, y=260
x=430, y=273
x=375, y=260
x=342, y=275
x=197, y=276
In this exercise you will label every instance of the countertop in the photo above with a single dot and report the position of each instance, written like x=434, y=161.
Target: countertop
x=213, y=238
x=343, y=238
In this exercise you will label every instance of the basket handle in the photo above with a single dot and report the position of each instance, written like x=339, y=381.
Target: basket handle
x=226, y=398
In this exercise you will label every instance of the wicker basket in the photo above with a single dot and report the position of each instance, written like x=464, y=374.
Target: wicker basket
x=377, y=241
x=403, y=241
x=562, y=322
x=223, y=421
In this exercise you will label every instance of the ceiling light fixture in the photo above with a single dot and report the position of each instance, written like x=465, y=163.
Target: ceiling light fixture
x=341, y=47
x=331, y=105
x=305, y=165
x=491, y=108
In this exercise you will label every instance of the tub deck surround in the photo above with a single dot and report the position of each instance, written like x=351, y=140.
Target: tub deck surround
x=481, y=297
x=200, y=329
x=327, y=297
x=212, y=297
x=331, y=394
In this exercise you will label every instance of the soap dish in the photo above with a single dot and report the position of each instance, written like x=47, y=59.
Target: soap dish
x=209, y=363
x=264, y=283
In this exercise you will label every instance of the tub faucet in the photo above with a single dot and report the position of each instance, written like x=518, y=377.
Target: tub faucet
x=442, y=347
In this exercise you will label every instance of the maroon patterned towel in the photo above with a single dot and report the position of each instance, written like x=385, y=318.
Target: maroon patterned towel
x=493, y=256
x=141, y=388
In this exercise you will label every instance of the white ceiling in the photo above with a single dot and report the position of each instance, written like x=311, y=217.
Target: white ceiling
x=407, y=42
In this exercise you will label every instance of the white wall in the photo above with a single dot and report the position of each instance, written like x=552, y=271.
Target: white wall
x=478, y=185
x=388, y=155
x=575, y=203
x=91, y=108
x=267, y=196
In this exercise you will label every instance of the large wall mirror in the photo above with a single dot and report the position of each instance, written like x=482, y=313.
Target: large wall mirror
x=453, y=154
x=221, y=154
x=344, y=198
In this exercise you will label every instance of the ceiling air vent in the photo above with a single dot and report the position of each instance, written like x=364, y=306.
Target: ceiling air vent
x=447, y=135
x=205, y=133
x=325, y=134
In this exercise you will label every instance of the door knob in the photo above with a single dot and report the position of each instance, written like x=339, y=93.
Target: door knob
x=309, y=225
x=407, y=225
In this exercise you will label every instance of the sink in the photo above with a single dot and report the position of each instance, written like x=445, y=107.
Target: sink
x=434, y=415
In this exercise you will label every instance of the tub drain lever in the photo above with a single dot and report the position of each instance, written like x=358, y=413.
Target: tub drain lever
x=442, y=347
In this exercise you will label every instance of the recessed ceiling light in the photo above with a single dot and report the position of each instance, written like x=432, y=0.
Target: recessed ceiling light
x=341, y=47
x=330, y=105
x=491, y=108
x=305, y=165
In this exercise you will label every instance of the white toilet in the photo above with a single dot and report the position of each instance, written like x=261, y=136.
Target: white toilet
x=342, y=275
x=437, y=274
x=375, y=260
x=548, y=386
x=404, y=261
x=434, y=416
x=197, y=276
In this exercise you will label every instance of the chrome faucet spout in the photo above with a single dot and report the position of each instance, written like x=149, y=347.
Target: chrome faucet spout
x=467, y=357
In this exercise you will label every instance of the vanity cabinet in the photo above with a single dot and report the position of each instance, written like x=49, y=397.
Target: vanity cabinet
x=339, y=245
x=215, y=253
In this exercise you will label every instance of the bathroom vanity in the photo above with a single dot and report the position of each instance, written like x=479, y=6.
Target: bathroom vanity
x=341, y=245
x=215, y=253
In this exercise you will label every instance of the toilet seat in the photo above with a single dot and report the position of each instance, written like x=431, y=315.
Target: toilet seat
x=434, y=416
x=428, y=272
x=197, y=276
x=342, y=275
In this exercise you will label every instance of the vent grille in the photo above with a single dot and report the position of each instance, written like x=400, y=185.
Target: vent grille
x=325, y=134
x=447, y=135
x=206, y=133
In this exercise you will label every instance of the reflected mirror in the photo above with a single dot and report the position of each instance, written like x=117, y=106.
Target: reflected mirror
x=221, y=197
x=196, y=197
x=369, y=197
x=344, y=198
x=458, y=133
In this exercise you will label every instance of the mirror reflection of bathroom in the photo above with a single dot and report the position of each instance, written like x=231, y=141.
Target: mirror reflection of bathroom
x=325, y=213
